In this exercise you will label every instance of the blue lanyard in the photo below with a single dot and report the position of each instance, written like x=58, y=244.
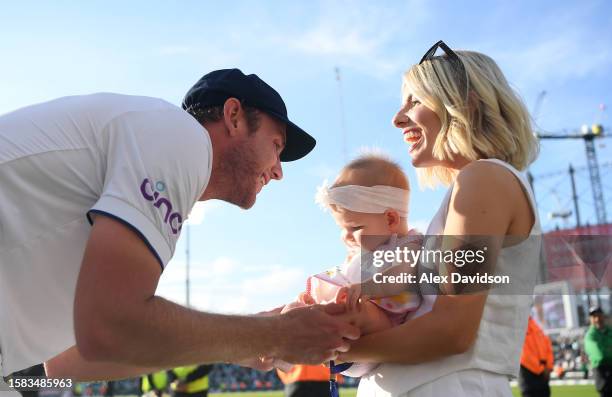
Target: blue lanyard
x=333, y=370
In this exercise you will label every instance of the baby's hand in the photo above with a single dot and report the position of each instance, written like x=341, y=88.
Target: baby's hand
x=306, y=299
x=303, y=299
x=350, y=296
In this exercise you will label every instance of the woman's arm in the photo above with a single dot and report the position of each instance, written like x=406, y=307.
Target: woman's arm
x=483, y=203
x=450, y=328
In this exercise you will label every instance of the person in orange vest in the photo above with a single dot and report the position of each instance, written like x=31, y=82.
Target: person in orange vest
x=306, y=381
x=536, y=362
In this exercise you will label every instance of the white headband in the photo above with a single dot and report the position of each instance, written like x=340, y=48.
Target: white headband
x=371, y=200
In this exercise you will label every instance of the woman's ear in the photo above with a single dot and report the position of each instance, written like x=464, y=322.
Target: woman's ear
x=393, y=220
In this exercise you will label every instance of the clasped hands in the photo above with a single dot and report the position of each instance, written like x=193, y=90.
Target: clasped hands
x=314, y=333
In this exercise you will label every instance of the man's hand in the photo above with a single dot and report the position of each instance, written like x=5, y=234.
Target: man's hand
x=311, y=335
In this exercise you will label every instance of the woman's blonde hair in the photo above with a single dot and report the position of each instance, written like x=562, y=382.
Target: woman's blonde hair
x=481, y=115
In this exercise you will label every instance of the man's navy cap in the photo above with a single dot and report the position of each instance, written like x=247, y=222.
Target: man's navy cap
x=216, y=87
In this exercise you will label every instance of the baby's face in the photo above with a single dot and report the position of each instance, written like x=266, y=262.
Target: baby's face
x=360, y=230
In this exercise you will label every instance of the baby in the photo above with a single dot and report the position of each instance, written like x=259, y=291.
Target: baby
x=369, y=202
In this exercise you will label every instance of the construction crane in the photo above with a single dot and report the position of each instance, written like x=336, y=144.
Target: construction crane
x=535, y=114
x=589, y=134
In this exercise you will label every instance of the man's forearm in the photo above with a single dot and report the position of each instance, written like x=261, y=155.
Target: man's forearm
x=118, y=318
x=180, y=335
x=71, y=364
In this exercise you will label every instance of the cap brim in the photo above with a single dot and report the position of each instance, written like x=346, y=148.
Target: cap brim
x=299, y=143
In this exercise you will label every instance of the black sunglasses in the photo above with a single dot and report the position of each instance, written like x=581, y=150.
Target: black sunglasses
x=432, y=52
x=452, y=57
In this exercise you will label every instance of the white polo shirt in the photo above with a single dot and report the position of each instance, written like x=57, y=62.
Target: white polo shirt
x=140, y=160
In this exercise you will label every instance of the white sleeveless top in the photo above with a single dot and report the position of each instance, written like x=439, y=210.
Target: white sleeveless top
x=504, y=320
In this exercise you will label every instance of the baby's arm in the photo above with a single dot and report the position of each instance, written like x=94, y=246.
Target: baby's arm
x=369, y=318
x=361, y=312
x=353, y=294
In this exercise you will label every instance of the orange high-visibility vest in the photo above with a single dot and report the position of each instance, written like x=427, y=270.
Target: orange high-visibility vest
x=537, y=351
x=301, y=373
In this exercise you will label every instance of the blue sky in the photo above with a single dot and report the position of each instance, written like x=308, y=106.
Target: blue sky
x=243, y=261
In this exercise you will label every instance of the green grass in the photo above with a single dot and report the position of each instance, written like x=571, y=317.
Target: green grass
x=568, y=391
x=557, y=391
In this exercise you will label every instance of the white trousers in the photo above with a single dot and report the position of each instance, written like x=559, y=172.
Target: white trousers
x=467, y=383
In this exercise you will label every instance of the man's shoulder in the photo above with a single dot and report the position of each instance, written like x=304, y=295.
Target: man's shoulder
x=125, y=101
x=594, y=333
x=590, y=332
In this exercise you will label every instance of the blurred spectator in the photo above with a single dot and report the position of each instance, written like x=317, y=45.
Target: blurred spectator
x=536, y=362
x=598, y=346
x=190, y=381
x=306, y=381
x=155, y=384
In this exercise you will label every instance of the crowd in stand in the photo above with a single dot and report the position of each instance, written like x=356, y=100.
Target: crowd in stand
x=229, y=377
x=223, y=378
x=570, y=356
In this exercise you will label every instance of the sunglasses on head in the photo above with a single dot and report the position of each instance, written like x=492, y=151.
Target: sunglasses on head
x=432, y=52
x=452, y=57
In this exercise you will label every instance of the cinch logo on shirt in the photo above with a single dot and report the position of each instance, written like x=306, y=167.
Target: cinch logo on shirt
x=150, y=193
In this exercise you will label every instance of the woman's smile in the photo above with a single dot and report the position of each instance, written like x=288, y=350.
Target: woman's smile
x=413, y=137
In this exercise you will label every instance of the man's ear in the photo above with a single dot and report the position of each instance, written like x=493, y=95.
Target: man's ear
x=232, y=114
x=393, y=219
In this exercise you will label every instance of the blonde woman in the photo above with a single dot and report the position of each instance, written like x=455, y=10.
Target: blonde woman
x=465, y=128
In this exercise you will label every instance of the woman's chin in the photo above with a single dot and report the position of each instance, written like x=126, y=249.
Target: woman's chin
x=417, y=161
x=420, y=161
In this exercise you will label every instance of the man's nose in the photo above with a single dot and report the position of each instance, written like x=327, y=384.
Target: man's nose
x=277, y=170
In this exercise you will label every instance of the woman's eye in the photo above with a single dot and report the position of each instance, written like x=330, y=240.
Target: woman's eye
x=415, y=102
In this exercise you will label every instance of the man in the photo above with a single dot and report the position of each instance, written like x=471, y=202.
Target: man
x=598, y=347
x=536, y=362
x=94, y=192
x=156, y=384
x=190, y=381
x=305, y=381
